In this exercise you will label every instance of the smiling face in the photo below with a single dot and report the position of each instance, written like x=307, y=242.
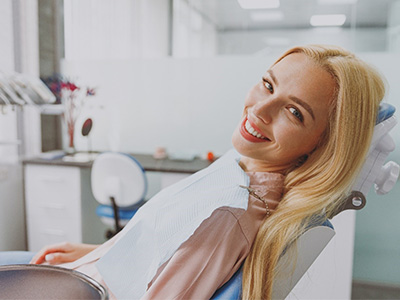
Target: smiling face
x=285, y=115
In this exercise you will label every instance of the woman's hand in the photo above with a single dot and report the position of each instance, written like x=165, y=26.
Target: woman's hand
x=62, y=253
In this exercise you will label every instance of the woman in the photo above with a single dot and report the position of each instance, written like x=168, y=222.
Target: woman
x=303, y=137
x=322, y=182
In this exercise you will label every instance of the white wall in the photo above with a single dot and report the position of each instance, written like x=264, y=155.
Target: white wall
x=6, y=36
x=123, y=29
x=394, y=27
x=193, y=35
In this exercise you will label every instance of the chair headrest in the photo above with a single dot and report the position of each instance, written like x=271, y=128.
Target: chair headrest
x=385, y=112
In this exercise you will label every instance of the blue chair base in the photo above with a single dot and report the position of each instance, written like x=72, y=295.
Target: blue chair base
x=125, y=213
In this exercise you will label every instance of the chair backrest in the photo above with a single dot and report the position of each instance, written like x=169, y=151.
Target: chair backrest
x=318, y=235
x=308, y=247
x=120, y=176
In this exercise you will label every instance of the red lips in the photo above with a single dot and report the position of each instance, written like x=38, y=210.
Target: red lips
x=249, y=137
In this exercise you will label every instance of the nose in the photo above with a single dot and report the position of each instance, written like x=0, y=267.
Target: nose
x=266, y=108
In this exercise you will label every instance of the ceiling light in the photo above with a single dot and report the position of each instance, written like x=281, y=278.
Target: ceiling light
x=327, y=20
x=336, y=2
x=269, y=16
x=258, y=4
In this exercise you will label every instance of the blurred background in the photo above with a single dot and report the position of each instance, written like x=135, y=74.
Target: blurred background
x=174, y=74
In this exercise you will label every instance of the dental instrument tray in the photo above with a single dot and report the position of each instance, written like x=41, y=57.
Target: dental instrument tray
x=47, y=282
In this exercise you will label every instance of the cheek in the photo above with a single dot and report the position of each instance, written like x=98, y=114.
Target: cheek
x=298, y=140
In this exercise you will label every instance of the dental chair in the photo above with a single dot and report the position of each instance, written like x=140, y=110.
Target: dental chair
x=314, y=240
x=119, y=184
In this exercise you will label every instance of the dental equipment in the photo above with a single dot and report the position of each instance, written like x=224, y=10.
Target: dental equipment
x=22, y=89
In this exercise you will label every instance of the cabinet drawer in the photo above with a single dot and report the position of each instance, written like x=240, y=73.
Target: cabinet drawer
x=45, y=231
x=54, y=209
x=52, y=190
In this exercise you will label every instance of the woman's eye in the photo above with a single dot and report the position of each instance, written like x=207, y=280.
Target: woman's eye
x=268, y=85
x=296, y=113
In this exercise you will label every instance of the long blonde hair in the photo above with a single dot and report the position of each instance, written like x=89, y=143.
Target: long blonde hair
x=323, y=181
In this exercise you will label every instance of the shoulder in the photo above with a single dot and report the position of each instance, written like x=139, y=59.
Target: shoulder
x=225, y=223
x=232, y=213
x=247, y=221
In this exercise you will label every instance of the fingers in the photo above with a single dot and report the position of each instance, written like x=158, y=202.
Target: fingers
x=57, y=258
x=36, y=260
x=61, y=253
x=47, y=251
x=39, y=258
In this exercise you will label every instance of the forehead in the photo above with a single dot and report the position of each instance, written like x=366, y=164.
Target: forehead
x=301, y=77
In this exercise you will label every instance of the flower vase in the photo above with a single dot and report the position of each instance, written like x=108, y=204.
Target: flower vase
x=71, y=144
x=71, y=101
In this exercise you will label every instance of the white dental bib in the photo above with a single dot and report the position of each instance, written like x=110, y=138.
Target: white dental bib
x=168, y=220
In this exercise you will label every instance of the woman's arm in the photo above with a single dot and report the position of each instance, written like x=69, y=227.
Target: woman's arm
x=204, y=262
x=62, y=253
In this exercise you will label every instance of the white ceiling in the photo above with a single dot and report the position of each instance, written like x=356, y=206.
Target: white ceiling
x=228, y=15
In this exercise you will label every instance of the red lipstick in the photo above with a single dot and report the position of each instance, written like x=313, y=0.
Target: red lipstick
x=249, y=137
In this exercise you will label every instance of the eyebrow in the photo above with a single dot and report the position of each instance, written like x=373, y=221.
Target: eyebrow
x=293, y=98
x=304, y=104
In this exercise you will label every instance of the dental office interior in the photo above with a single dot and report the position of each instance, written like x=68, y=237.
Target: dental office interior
x=164, y=81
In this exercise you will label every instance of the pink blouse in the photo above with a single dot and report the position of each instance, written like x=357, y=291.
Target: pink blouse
x=211, y=255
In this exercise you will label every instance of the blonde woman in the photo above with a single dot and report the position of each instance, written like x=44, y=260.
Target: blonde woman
x=323, y=181
x=302, y=139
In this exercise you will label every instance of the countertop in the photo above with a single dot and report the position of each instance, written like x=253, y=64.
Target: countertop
x=148, y=162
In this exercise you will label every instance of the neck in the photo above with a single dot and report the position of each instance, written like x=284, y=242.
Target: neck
x=253, y=165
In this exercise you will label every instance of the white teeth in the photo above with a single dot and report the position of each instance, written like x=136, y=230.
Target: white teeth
x=252, y=131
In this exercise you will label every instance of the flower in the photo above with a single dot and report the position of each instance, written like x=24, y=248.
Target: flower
x=57, y=83
x=69, y=86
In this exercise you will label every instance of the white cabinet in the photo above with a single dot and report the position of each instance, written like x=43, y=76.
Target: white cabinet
x=60, y=206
